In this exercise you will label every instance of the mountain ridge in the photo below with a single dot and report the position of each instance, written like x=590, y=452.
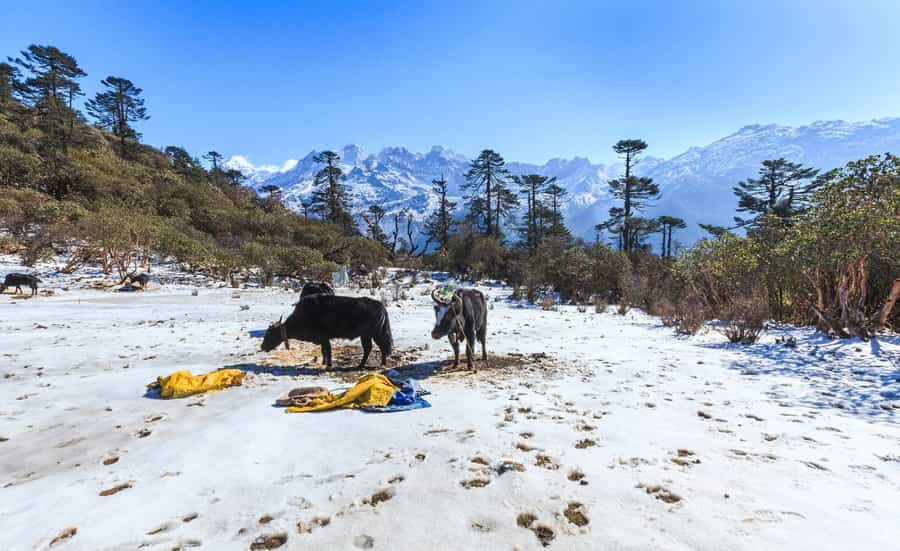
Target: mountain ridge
x=696, y=184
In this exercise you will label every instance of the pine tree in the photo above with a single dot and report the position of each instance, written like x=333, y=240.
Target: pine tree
x=634, y=192
x=533, y=187
x=215, y=159
x=440, y=224
x=507, y=206
x=235, y=177
x=216, y=174
x=373, y=218
x=118, y=107
x=53, y=78
x=183, y=163
x=667, y=225
x=9, y=83
x=485, y=180
x=779, y=191
x=553, y=218
x=50, y=89
x=639, y=229
x=331, y=200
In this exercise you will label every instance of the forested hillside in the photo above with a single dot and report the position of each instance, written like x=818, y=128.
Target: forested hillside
x=810, y=247
x=96, y=194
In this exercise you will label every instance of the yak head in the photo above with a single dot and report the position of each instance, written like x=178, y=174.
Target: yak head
x=275, y=335
x=447, y=314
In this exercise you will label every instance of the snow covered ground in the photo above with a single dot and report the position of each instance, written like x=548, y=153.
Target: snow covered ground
x=626, y=437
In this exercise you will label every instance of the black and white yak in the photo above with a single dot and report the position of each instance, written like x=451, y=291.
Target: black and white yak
x=463, y=317
x=20, y=280
x=319, y=318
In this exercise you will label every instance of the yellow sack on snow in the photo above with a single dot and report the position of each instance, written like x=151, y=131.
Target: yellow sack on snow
x=371, y=390
x=183, y=383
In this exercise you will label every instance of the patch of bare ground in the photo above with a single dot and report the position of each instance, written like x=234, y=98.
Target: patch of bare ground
x=506, y=466
x=307, y=526
x=546, y=462
x=115, y=489
x=660, y=492
x=63, y=535
x=544, y=534
x=271, y=541
x=305, y=356
x=574, y=513
x=585, y=443
x=474, y=483
x=379, y=497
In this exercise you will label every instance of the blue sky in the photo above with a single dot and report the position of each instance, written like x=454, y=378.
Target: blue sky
x=533, y=80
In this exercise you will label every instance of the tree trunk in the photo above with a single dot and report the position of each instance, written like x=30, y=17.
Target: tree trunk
x=885, y=312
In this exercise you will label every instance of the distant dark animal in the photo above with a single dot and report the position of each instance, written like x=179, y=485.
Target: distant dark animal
x=18, y=280
x=141, y=280
x=314, y=288
x=461, y=318
x=320, y=318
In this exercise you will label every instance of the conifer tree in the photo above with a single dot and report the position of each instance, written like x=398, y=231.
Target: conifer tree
x=533, y=187
x=215, y=159
x=439, y=225
x=373, y=217
x=53, y=78
x=485, y=180
x=507, y=206
x=9, y=82
x=117, y=107
x=330, y=199
x=553, y=218
x=49, y=89
x=634, y=192
x=667, y=225
x=783, y=190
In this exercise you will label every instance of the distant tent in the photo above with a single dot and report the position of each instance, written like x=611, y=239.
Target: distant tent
x=341, y=278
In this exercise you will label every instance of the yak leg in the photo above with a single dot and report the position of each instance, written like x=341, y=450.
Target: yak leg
x=367, y=349
x=455, y=344
x=384, y=346
x=326, y=353
x=470, y=349
x=482, y=336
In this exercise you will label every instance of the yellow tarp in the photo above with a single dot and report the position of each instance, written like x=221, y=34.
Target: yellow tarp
x=371, y=390
x=183, y=383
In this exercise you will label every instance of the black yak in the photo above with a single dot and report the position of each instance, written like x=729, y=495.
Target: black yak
x=141, y=280
x=18, y=280
x=462, y=317
x=320, y=318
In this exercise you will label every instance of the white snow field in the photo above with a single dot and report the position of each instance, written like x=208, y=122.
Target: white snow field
x=626, y=437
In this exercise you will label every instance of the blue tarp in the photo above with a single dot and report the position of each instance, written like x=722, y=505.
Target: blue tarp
x=409, y=397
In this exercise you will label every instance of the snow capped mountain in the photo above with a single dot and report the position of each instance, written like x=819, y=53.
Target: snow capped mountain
x=696, y=185
x=256, y=175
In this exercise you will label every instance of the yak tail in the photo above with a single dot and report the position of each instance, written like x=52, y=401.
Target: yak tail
x=384, y=336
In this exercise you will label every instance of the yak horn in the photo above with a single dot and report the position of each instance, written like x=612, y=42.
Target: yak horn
x=435, y=297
